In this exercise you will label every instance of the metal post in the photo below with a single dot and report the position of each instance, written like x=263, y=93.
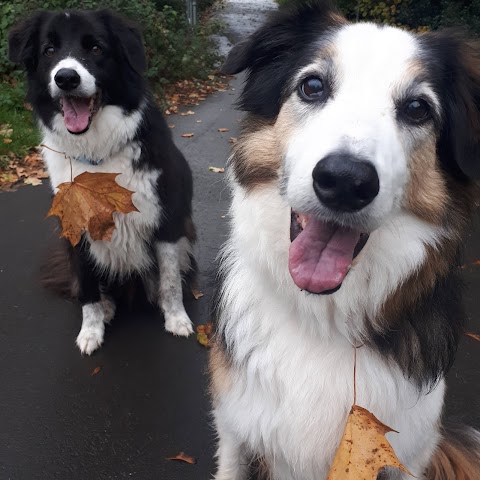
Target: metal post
x=192, y=12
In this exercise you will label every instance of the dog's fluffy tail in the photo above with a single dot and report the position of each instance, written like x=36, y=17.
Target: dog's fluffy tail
x=57, y=272
x=457, y=457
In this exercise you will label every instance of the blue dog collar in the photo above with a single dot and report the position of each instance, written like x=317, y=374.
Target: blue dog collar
x=88, y=160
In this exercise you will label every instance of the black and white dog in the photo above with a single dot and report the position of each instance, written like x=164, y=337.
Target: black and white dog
x=353, y=184
x=86, y=84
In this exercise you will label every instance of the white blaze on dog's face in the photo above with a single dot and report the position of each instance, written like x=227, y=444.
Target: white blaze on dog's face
x=351, y=106
x=354, y=119
x=358, y=124
x=75, y=88
x=79, y=62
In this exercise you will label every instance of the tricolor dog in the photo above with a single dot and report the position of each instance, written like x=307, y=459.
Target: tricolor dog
x=86, y=84
x=354, y=181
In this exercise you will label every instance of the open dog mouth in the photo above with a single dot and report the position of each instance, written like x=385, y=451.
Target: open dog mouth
x=321, y=253
x=78, y=112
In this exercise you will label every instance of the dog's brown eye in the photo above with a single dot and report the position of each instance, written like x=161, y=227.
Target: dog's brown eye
x=96, y=50
x=312, y=89
x=49, y=52
x=417, y=110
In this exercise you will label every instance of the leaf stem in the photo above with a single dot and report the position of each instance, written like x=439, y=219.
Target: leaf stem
x=354, y=375
x=66, y=158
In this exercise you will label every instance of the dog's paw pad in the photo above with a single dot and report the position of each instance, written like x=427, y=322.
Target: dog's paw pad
x=89, y=340
x=179, y=324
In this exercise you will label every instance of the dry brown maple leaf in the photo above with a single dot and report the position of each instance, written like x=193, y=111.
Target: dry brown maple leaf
x=32, y=181
x=183, y=457
x=204, y=334
x=216, y=169
x=187, y=135
x=364, y=450
x=88, y=204
x=197, y=293
x=95, y=371
x=223, y=130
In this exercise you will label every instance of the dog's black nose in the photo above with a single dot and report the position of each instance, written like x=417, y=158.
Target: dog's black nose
x=67, y=79
x=345, y=183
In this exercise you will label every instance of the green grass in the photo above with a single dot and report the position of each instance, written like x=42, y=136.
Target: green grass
x=15, y=117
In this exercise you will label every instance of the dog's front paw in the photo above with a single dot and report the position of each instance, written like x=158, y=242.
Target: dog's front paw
x=90, y=339
x=179, y=324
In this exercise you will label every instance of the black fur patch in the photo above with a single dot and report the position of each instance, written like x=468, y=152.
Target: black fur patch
x=453, y=65
x=276, y=51
x=423, y=338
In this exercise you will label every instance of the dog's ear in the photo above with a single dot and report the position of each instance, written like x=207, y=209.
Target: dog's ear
x=455, y=71
x=272, y=53
x=128, y=38
x=465, y=111
x=23, y=41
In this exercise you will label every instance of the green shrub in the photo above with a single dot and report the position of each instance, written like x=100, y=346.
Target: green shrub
x=14, y=116
x=174, y=50
x=413, y=14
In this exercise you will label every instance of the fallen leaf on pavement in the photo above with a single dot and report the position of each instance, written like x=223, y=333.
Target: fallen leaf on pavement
x=197, y=294
x=477, y=262
x=171, y=126
x=95, y=371
x=88, y=204
x=474, y=336
x=204, y=334
x=18, y=169
x=183, y=457
x=217, y=169
x=232, y=140
x=32, y=181
x=223, y=130
x=183, y=114
x=187, y=135
x=363, y=450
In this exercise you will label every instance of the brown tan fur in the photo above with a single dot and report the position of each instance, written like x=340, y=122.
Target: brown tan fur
x=453, y=461
x=219, y=370
x=426, y=193
x=454, y=211
x=255, y=159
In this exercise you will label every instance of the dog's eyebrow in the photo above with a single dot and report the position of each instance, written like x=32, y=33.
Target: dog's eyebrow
x=324, y=67
x=421, y=88
x=53, y=37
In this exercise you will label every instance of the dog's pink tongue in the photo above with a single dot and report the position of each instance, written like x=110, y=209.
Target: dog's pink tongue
x=321, y=255
x=76, y=113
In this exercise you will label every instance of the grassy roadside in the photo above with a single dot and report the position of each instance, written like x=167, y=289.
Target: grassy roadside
x=18, y=133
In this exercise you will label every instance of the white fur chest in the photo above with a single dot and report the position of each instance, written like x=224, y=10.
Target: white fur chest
x=128, y=251
x=290, y=395
x=290, y=398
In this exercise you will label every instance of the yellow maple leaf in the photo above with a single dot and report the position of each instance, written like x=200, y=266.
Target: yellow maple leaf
x=88, y=204
x=363, y=450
